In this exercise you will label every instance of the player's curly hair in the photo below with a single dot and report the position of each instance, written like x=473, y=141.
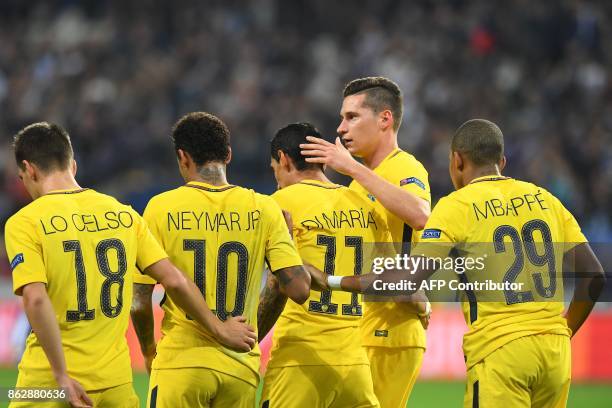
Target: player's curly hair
x=288, y=140
x=44, y=144
x=381, y=93
x=204, y=136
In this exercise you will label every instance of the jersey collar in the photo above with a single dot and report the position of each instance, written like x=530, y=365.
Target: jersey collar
x=391, y=155
x=208, y=187
x=489, y=178
x=67, y=191
x=319, y=183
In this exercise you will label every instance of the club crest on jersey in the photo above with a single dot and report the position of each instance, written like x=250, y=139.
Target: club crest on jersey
x=431, y=233
x=412, y=180
x=16, y=261
x=371, y=197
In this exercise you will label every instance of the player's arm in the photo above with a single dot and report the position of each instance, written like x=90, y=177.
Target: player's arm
x=271, y=304
x=293, y=283
x=41, y=316
x=589, y=285
x=372, y=283
x=234, y=333
x=407, y=206
x=142, y=318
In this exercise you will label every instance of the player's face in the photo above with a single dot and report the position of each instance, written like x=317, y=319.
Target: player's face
x=359, y=126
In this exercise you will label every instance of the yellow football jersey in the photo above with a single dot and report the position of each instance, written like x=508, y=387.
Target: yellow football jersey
x=334, y=229
x=220, y=238
x=385, y=323
x=85, y=246
x=521, y=231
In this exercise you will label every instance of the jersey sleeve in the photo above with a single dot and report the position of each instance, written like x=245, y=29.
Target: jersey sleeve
x=411, y=176
x=280, y=249
x=24, y=250
x=149, y=250
x=443, y=230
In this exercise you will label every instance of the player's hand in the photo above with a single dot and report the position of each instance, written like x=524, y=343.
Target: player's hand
x=334, y=155
x=75, y=394
x=288, y=221
x=424, y=313
x=236, y=334
x=318, y=279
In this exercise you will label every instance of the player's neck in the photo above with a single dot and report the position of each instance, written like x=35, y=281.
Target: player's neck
x=57, y=181
x=383, y=150
x=212, y=173
x=316, y=175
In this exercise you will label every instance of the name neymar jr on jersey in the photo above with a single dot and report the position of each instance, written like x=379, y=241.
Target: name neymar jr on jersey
x=338, y=219
x=206, y=221
x=497, y=208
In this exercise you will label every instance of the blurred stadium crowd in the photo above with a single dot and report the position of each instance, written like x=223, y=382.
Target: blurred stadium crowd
x=117, y=74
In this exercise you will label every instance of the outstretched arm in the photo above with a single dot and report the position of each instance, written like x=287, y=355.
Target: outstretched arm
x=589, y=285
x=142, y=318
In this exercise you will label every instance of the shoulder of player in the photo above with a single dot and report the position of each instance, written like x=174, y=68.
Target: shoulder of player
x=405, y=160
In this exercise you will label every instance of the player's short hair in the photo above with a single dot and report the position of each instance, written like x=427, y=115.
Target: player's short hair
x=204, y=136
x=44, y=144
x=288, y=140
x=480, y=140
x=381, y=93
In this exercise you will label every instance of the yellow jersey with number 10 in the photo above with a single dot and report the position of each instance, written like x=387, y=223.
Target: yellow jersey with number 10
x=85, y=246
x=386, y=324
x=220, y=237
x=335, y=230
x=520, y=232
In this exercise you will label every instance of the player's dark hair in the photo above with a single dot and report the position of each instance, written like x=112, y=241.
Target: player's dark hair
x=480, y=140
x=204, y=136
x=381, y=93
x=288, y=140
x=44, y=144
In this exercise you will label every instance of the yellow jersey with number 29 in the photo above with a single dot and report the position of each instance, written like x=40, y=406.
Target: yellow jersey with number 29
x=520, y=231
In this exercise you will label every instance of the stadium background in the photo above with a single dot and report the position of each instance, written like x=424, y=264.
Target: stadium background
x=117, y=74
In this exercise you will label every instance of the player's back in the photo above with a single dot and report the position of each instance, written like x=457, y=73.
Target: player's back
x=334, y=229
x=84, y=246
x=220, y=238
x=522, y=232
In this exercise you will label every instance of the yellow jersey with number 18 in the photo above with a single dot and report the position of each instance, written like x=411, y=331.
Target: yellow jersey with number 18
x=220, y=237
x=85, y=246
x=520, y=232
x=335, y=230
x=386, y=324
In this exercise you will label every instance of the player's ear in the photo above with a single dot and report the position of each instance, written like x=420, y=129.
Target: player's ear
x=284, y=160
x=385, y=118
x=30, y=169
x=457, y=161
x=502, y=163
x=73, y=168
x=182, y=158
x=229, y=156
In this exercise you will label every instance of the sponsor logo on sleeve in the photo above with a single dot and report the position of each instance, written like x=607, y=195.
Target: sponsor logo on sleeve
x=16, y=261
x=371, y=197
x=431, y=233
x=412, y=180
